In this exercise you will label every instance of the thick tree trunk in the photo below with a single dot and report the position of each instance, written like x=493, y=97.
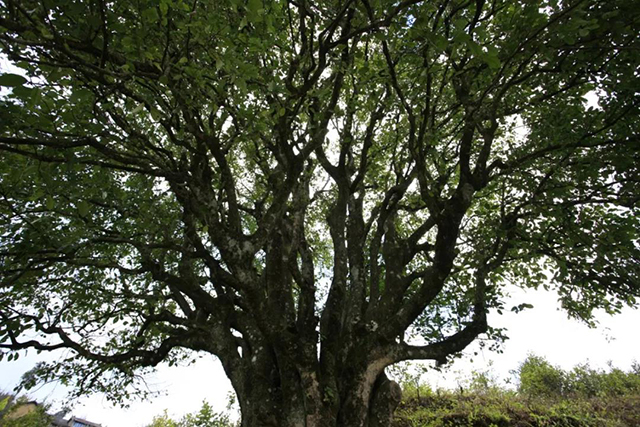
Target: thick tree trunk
x=385, y=399
x=364, y=403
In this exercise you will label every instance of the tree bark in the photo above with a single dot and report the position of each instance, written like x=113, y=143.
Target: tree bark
x=363, y=400
x=385, y=399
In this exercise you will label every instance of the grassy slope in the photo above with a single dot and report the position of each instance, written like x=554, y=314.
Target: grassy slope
x=546, y=396
x=507, y=409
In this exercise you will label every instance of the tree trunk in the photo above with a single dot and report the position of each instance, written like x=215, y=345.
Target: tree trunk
x=386, y=397
x=362, y=401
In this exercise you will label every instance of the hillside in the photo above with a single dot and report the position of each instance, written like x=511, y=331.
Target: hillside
x=545, y=396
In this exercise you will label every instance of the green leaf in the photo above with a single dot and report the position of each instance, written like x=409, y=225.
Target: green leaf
x=254, y=8
x=164, y=7
x=156, y=114
x=12, y=80
x=461, y=37
x=475, y=48
x=440, y=42
x=50, y=203
x=518, y=308
x=83, y=208
x=4, y=402
x=460, y=24
x=81, y=95
x=23, y=92
x=150, y=15
x=492, y=61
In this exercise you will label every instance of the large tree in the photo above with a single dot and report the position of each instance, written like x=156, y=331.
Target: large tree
x=308, y=190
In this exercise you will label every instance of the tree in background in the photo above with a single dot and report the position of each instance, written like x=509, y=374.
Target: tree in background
x=309, y=191
x=538, y=378
x=163, y=420
x=12, y=416
x=205, y=417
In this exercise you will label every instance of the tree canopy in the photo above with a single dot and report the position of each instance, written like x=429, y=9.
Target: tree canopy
x=308, y=190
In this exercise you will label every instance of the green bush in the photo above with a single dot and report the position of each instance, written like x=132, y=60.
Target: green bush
x=538, y=378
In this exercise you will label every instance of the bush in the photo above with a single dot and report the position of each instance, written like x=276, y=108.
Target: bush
x=538, y=378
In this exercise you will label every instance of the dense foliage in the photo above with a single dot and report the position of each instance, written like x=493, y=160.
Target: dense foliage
x=588, y=398
x=309, y=190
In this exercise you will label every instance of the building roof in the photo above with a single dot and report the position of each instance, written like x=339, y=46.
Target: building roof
x=74, y=420
x=59, y=422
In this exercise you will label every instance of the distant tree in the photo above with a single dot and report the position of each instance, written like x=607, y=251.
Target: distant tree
x=538, y=378
x=309, y=190
x=9, y=416
x=205, y=417
x=163, y=421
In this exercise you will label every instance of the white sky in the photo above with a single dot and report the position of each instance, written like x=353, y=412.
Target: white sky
x=543, y=330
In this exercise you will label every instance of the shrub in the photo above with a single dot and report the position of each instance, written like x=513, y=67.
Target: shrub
x=538, y=378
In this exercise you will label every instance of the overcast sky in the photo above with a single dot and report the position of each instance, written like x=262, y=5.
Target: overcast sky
x=543, y=330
